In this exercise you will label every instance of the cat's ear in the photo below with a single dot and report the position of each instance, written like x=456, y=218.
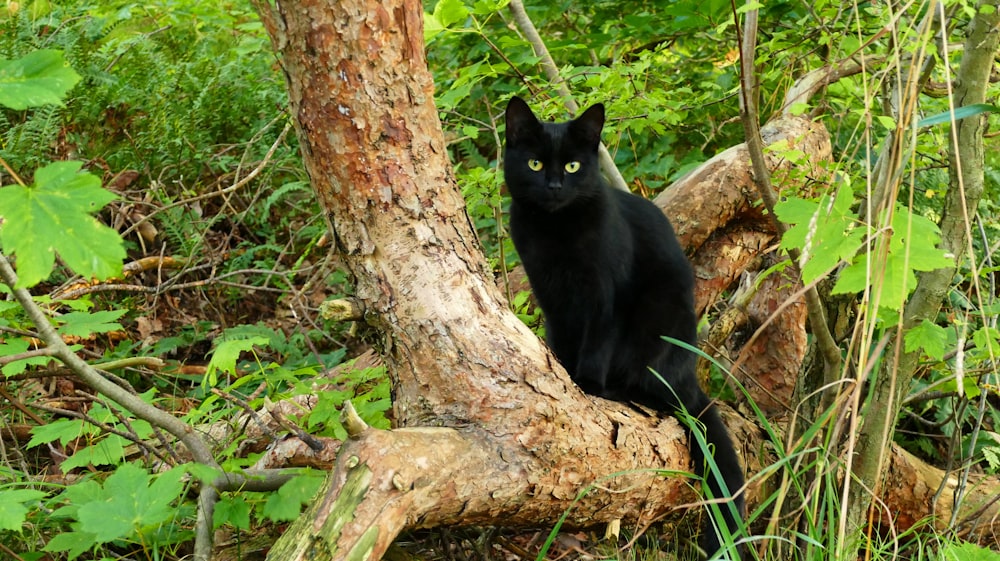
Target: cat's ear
x=589, y=124
x=521, y=122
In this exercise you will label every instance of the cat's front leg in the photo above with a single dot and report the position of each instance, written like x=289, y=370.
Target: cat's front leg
x=595, y=359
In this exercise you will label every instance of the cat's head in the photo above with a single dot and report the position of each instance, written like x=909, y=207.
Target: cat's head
x=552, y=165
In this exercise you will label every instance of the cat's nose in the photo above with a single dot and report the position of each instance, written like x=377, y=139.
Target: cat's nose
x=555, y=185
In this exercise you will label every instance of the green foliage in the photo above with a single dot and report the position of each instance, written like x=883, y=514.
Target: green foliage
x=966, y=551
x=187, y=95
x=929, y=337
x=15, y=346
x=232, y=510
x=54, y=216
x=823, y=230
x=959, y=113
x=287, y=503
x=131, y=506
x=368, y=390
x=85, y=324
x=38, y=78
x=901, y=259
x=828, y=233
x=225, y=356
x=14, y=507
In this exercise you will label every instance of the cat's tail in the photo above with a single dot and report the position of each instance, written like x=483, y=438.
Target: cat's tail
x=723, y=475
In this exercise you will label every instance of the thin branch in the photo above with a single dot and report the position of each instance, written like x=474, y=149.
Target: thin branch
x=130, y=436
x=4, y=360
x=762, y=179
x=552, y=73
x=169, y=286
x=7, y=167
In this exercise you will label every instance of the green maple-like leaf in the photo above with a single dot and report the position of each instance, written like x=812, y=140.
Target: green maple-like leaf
x=84, y=324
x=18, y=346
x=287, y=503
x=38, y=78
x=226, y=354
x=63, y=430
x=54, y=216
x=826, y=231
x=929, y=337
x=234, y=510
x=967, y=552
x=133, y=502
x=912, y=247
x=13, y=511
x=106, y=452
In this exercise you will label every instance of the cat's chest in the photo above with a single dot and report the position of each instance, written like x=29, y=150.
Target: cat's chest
x=576, y=257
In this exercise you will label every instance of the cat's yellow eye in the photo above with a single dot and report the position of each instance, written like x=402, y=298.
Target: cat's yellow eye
x=535, y=165
x=572, y=167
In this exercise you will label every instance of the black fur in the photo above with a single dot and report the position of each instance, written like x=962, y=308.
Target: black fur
x=611, y=279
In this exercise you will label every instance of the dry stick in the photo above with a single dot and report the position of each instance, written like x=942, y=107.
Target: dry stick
x=762, y=179
x=552, y=73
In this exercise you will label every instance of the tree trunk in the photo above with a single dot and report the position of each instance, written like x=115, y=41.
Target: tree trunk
x=523, y=439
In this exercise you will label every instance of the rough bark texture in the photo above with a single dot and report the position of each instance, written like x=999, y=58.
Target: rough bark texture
x=716, y=214
x=768, y=363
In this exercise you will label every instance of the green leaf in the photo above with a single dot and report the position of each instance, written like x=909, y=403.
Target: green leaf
x=232, y=510
x=38, y=78
x=987, y=340
x=826, y=231
x=287, y=503
x=967, y=552
x=431, y=26
x=53, y=215
x=84, y=324
x=929, y=337
x=226, y=354
x=75, y=543
x=107, y=452
x=18, y=346
x=63, y=430
x=13, y=511
x=134, y=503
x=960, y=113
x=912, y=247
x=449, y=12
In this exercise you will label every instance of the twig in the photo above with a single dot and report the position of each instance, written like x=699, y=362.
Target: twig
x=762, y=179
x=7, y=167
x=4, y=360
x=130, y=436
x=76, y=293
x=152, y=362
x=250, y=412
x=552, y=73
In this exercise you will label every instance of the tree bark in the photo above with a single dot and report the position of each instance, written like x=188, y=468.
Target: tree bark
x=523, y=440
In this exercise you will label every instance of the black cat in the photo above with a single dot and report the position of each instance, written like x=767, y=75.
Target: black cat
x=612, y=280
